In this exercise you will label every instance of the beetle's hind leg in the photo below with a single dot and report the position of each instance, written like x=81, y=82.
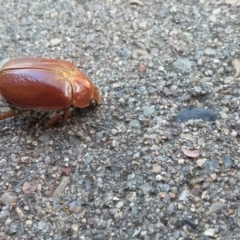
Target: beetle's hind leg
x=12, y=113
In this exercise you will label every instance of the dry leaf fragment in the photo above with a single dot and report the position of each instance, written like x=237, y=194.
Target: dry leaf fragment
x=66, y=171
x=191, y=153
x=61, y=187
x=30, y=187
x=156, y=168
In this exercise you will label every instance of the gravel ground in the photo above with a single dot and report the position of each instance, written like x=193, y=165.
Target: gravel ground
x=160, y=159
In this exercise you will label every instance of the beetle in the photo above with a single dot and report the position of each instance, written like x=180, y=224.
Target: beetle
x=31, y=83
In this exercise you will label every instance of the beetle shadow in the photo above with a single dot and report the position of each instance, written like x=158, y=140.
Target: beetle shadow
x=35, y=119
x=83, y=112
x=27, y=120
x=32, y=121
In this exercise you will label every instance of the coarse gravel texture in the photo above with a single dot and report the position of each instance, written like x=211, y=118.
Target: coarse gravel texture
x=119, y=172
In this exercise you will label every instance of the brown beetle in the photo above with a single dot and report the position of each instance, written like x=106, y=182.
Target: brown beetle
x=45, y=84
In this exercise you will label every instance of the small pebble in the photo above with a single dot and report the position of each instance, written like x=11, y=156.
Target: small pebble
x=182, y=64
x=55, y=42
x=135, y=124
x=148, y=110
x=183, y=195
x=210, y=51
x=75, y=227
x=41, y=225
x=9, y=197
x=209, y=232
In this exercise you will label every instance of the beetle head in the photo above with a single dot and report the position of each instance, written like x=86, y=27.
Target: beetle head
x=85, y=93
x=96, y=97
x=93, y=103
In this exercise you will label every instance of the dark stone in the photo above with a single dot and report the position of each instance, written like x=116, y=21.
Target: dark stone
x=195, y=113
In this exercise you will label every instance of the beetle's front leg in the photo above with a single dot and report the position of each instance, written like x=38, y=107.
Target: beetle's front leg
x=66, y=115
x=54, y=119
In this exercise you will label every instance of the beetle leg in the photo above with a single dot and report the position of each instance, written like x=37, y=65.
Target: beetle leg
x=67, y=113
x=54, y=119
x=12, y=113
